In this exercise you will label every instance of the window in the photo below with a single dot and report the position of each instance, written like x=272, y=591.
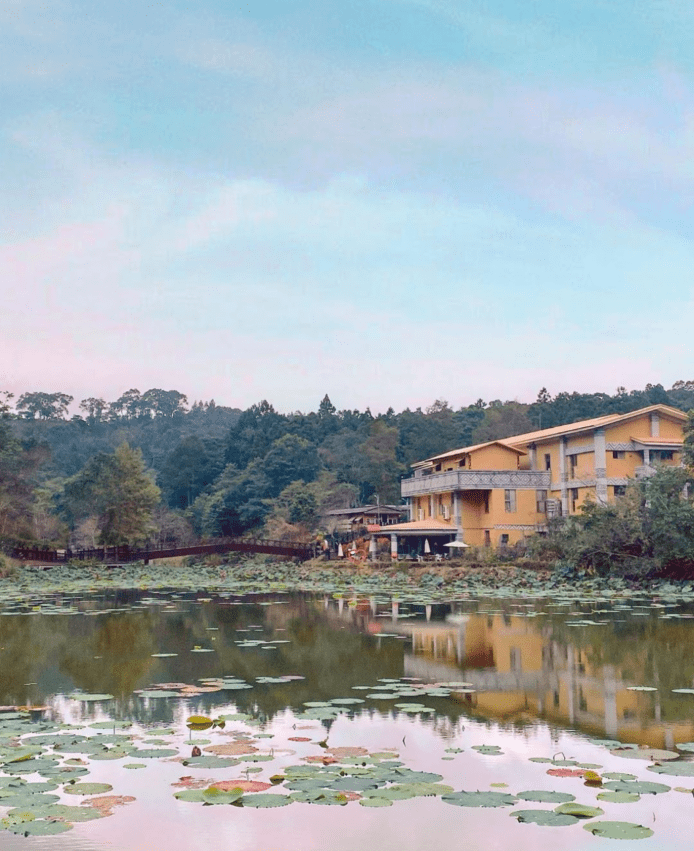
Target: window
x=437, y=468
x=619, y=490
x=573, y=459
x=574, y=498
x=618, y=454
x=486, y=502
x=510, y=501
x=548, y=462
x=487, y=538
x=503, y=540
x=541, y=501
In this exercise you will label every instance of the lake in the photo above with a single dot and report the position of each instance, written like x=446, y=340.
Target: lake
x=394, y=721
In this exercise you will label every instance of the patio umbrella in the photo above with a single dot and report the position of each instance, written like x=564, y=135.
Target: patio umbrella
x=427, y=548
x=457, y=544
x=340, y=551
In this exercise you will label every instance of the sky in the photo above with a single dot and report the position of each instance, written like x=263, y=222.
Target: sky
x=388, y=201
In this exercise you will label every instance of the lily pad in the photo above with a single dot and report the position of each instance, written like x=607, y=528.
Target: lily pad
x=479, y=799
x=262, y=799
x=39, y=827
x=619, y=797
x=650, y=754
x=375, y=802
x=546, y=818
x=618, y=830
x=674, y=769
x=579, y=810
x=543, y=797
x=641, y=787
x=87, y=788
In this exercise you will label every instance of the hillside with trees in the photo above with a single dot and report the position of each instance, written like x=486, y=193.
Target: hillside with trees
x=147, y=466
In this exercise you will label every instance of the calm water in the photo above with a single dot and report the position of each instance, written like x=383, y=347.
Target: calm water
x=544, y=679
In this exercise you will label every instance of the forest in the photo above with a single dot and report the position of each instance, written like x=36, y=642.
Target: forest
x=150, y=468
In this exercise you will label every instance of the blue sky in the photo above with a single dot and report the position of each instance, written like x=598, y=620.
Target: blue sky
x=389, y=201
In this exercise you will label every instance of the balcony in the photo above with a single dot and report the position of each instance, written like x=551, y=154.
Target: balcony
x=475, y=480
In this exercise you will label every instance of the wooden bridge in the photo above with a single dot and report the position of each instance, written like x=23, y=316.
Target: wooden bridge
x=123, y=554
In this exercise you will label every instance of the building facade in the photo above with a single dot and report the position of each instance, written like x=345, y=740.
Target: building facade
x=497, y=493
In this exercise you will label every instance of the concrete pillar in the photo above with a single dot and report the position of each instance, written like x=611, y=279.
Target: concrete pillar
x=458, y=516
x=410, y=509
x=646, y=456
x=600, y=466
x=427, y=611
x=372, y=548
x=393, y=545
x=532, y=454
x=431, y=505
x=610, y=698
x=563, y=477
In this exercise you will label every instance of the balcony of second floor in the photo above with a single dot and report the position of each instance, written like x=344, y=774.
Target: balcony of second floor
x=462, y=480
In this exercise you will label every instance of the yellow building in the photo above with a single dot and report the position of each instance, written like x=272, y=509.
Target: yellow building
x=496, y=493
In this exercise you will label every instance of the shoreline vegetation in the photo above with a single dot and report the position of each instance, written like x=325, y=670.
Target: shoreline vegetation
x=434, y=582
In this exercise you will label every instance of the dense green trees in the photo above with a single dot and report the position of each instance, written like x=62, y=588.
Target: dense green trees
x=232, y=471
x=116, y=493
x=650, y=528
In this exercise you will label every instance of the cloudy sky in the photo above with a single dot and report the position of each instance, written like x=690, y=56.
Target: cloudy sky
x=389, y=201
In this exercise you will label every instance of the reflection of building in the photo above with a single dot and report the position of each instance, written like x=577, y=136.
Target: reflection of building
x=496, y=493
x=519, y=671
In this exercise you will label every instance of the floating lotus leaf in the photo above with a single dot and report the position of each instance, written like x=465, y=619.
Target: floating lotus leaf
x=111, y=725
x=674, y=769
x=32, y=765
x=382, y=696
x=490, y=750
x=135, y=765
x=202, y=650
x=163, y=655
x=542, y=797
x=87, y=788
x=24, y=800
x=375, y=802
x=353, y=784
x=650, y=754
x=109, y=754
x=618, y=830
x=617, y=775
x=39, y=827
x=566, y=772
x=479, y=799
x=90, y=697
x=346, y=701
x=683, y=691
x=641, y=787
x=579, y=810
x=546, y=818
x=265, y=800
x=209, y=762
x=214, y=795
x=193, y=796
x=454, y=750
x=152, y=753
x=619, y=797
x=59, y=811
x=686, y=747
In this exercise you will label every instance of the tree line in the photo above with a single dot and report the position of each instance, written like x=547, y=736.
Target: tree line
x=149, y=467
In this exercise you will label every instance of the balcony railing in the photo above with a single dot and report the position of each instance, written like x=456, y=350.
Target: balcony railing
x=471, y=480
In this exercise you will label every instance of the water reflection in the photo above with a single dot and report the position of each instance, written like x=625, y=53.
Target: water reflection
x=573, y=669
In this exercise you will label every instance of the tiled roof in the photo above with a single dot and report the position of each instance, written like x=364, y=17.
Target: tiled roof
x=424, y=526
x=586, y=425
x=657, y=441
x=468, y=449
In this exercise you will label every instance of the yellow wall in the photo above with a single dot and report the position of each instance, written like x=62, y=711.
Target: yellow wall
x=494, y=457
